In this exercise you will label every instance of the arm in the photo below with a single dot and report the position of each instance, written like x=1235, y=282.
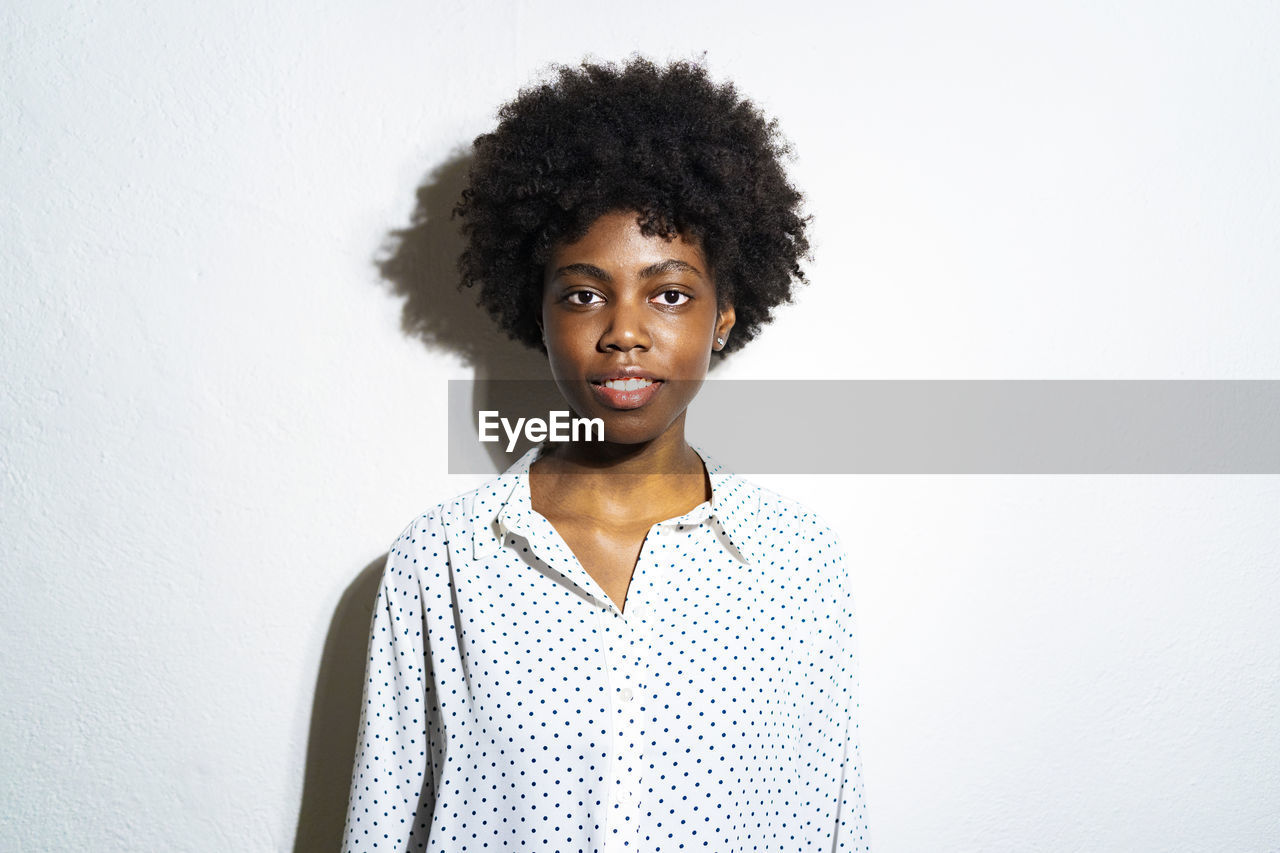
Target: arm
x=851, y=833
x=393, y=781
x=851, y=814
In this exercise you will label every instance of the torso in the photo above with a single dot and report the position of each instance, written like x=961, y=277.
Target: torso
x=608, y=556
x=604, y=525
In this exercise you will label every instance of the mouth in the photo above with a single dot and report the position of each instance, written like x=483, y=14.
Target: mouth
x=627, y=384
x=625, y=392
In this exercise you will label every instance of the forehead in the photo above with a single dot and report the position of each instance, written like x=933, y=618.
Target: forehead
x=616, y=240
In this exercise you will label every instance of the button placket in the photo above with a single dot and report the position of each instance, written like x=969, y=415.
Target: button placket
x=628, y=641
x=623, y=802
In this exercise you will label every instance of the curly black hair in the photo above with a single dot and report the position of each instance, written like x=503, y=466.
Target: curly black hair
x=690, y=156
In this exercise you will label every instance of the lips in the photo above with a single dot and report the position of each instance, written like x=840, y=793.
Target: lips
x=627, y=384
x=625, y=391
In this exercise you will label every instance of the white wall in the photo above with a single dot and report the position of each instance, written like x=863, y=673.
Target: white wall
x=213, y=425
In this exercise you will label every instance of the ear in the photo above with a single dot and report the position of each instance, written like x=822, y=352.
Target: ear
x=724, y=324
x=541, y=344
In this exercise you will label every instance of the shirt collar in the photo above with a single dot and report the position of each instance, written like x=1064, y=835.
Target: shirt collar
x=506, y=507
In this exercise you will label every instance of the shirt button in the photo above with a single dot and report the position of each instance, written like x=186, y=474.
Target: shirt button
x=625, y=694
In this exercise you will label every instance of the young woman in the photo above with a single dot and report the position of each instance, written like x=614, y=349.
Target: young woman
x=616, y=645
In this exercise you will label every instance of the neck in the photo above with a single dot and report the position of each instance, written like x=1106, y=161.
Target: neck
x=630, y=481
x=667, y=454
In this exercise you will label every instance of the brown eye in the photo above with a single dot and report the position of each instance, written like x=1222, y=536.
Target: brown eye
x=582, y=297
x=672, y=297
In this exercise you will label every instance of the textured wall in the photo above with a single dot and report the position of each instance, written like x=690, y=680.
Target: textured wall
x=212, y=423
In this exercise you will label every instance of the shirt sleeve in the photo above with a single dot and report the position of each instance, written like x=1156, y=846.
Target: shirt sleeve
x=851, y=831
x=393, y=780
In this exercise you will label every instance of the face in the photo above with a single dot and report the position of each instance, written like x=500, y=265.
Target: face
x=630, y=323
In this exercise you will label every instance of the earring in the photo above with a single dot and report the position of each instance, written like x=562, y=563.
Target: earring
x=720, y=342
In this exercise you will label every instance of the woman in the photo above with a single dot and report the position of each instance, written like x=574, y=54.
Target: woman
x=617, y=645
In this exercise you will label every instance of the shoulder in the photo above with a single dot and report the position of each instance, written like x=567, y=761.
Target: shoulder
x=786, y=523
x=800, y=552
x=447, y=531
x=460, y=514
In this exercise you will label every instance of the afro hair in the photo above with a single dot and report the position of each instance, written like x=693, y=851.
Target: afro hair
x=688, y=155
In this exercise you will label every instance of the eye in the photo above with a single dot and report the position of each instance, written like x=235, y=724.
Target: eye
x=672, y=297
x=582, y=297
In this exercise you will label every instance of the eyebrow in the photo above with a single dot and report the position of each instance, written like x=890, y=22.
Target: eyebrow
x=669, y=265
x=651, y=271
x=588, y=270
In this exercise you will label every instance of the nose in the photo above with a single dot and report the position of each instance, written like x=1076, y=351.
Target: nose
x=626, y=330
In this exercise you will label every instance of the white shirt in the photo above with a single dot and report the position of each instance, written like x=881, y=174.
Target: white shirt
x=510, y=704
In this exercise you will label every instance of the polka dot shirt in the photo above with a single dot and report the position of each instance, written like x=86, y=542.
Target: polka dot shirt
x=510, y=705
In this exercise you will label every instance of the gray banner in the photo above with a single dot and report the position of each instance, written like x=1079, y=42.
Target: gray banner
x=928, y=426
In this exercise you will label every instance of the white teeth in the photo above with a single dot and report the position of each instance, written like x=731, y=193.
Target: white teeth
x=627, y=384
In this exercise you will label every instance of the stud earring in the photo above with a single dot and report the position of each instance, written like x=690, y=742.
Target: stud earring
x=720, y=342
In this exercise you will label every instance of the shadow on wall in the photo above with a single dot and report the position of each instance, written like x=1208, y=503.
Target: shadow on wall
x=419, y=262
x=335, y=716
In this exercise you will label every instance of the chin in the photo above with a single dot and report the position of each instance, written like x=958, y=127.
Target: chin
x=631, y=430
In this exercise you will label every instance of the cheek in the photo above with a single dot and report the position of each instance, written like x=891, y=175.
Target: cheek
x=560, y=327
x=568, y=346
x=690, y=332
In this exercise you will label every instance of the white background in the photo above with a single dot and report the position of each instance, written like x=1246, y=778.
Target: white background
x=213, y=424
